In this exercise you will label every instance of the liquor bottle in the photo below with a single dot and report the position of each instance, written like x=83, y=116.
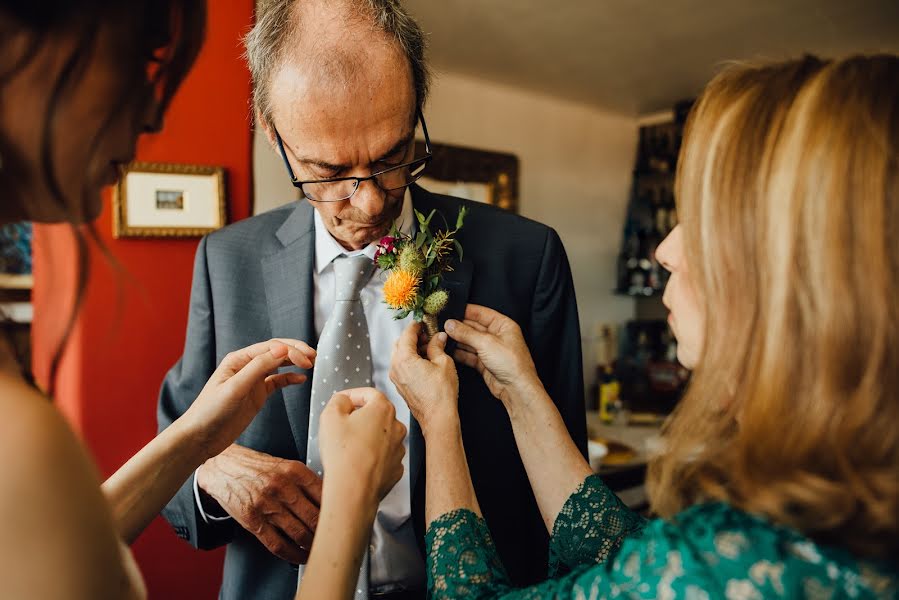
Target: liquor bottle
x=608, y=387
x=646, y=252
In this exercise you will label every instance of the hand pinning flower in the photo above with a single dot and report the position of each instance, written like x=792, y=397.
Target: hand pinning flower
x=415, y=267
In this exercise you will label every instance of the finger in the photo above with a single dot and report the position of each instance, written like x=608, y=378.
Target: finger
x=469, y=359
x=238, y=359
x=300, y=346
x=282, y=380
x=304, y=509
x=474, y=325
x=465, y=334
x=400, y=431
x=257, y=369
x=291, y=526
x=467, y=348
x=312, y=487
x=483, y=315
x=281, y=546
x=362, y=396
x=436, y=346
x=341, y=404
x=299, y=358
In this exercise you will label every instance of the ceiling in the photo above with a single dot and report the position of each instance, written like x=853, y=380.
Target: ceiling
x=640, y=56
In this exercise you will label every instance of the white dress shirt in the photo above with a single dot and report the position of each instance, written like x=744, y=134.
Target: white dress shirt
x=393, y=565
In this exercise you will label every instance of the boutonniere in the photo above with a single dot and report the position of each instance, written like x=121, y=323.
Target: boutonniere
x=415, y=267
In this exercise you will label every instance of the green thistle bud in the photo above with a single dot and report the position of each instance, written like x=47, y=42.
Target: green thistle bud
x=436, y=302
x=411, y=260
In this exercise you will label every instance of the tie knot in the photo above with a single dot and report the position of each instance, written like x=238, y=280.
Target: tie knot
x=352, y=274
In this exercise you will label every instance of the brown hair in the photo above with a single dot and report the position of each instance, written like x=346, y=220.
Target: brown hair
x=787, y=188
x=164, y=38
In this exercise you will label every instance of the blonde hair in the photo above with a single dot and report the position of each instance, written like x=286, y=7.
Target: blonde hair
x=787, y=188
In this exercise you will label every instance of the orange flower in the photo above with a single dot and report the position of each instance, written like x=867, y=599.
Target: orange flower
x=401, y=289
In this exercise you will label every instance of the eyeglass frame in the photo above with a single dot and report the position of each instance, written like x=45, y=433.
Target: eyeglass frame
x=359, y=180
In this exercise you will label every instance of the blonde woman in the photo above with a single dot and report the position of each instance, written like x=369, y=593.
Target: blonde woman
x=780, y=476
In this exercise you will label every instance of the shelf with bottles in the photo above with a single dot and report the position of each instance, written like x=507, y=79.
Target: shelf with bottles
x=639, y=273
x=651, y=213
x=636, y=369
x=658, y=149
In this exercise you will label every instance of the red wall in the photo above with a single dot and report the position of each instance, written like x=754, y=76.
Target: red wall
x=131, y=327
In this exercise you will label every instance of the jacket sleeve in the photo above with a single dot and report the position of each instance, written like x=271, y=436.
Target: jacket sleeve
x=182, y=384
x=555, y=339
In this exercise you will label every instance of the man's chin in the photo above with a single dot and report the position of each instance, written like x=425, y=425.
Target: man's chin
x=361, y=236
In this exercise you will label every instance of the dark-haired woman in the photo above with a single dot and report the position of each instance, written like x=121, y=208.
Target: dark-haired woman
x=79, y=82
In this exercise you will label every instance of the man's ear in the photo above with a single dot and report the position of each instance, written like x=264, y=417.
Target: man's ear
x=263, y=124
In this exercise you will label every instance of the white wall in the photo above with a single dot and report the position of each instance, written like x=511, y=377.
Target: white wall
x=576, y=165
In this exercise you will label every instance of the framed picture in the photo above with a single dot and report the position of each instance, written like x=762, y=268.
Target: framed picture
x=479, y=175
x=168, y=200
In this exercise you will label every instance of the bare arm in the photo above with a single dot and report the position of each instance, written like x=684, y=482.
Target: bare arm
x=448, y=482
x=232, y=397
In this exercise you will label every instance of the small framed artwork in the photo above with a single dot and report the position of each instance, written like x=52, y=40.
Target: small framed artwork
x=480, y=175
x=168, y=200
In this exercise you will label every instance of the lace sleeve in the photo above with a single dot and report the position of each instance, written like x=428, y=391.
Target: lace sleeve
x=462, y=559
x=590, y=527
x=463, y=563
x=707, y=551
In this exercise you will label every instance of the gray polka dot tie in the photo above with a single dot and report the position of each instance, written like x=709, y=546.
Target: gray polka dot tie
x=343, y=361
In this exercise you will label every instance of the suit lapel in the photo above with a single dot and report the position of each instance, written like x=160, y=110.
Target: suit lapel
x=289, y=294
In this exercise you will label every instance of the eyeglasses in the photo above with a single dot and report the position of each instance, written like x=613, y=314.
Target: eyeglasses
x=336, y=189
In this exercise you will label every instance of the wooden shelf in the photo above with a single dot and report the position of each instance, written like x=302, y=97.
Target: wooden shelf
x=16, y=282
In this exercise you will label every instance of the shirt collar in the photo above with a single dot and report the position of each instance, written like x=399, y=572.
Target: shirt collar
x=327, y=248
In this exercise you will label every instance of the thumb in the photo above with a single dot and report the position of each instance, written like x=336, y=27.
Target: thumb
x=408, y=340
x=341, y=403
x=436, y=347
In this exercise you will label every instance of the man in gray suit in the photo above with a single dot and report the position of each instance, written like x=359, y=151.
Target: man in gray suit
x=339, y=89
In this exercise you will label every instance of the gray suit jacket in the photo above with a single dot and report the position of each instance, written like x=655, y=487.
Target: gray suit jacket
x=253, y=281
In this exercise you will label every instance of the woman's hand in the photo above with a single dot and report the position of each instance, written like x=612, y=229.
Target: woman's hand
x=361, y=444
x=492, y=343
x=430, y=386
x=238, y=388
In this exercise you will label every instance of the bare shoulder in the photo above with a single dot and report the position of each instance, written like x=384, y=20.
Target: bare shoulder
x=34, y=432
x=53, y=517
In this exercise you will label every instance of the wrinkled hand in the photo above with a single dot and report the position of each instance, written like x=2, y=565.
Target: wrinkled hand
x=430, y=385
x=492, y=343
x=275, y=499
x=361, y=443
x=237, y=390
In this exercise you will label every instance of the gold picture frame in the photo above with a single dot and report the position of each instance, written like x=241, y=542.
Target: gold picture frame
x=163, y=200
x=490, y=177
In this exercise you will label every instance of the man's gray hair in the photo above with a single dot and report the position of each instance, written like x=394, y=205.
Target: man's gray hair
x=276, y=24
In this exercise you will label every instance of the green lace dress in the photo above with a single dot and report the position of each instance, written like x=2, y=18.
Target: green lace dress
x=601, y=549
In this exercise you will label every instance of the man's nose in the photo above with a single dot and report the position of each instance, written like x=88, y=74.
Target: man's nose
x=369, y=198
